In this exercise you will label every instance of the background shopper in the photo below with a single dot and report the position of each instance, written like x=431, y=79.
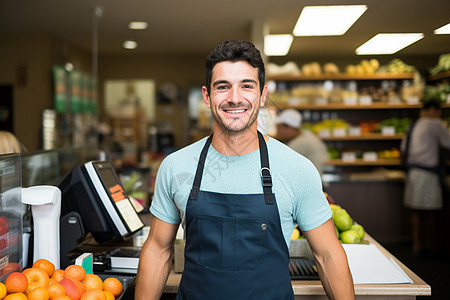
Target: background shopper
x=303, y=141
x=424, y=182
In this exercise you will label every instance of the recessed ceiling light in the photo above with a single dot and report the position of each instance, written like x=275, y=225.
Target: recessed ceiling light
x=388, y=43
x=277, y=44
x=138, y=25
x=443, y=30
x=327, y=20
x=130, y=44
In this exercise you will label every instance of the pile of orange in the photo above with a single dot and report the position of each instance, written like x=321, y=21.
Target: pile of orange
x=43, y=282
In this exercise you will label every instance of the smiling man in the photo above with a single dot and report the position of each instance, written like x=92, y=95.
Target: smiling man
x=238, y=195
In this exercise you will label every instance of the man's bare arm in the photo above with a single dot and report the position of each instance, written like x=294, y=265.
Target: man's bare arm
x=155, y=260
x=331, y=261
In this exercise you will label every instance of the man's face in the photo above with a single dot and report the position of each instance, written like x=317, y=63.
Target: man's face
x=235, y=96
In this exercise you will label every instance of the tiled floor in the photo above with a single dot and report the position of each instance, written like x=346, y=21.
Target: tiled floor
x=434, y=269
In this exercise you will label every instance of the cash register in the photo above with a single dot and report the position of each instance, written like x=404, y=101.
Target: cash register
x=94, y=201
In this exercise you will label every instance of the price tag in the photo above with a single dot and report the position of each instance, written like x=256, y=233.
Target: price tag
x=413, y=100
x=339, y=132
x=321, y=101
x=294, y=101
x=365, y=100
x=350, y=101
x=348, y=156
x=324, y=133
x=354, y=131
x=370, y=156
x=388, y=130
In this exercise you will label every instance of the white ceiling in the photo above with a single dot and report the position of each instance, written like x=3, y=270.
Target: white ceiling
x=195, y=26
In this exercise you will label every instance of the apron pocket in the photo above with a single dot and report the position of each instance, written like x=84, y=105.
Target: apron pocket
x=229, y=243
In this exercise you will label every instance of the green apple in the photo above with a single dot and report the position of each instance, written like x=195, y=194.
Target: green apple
x=342, y=220
x=358, y=228
x=350, y=237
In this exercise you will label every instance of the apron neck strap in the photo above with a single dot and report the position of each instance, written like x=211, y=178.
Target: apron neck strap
x=266, y=177
x=199, y=173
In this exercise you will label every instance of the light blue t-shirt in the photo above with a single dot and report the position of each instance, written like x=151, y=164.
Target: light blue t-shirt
x=296, y=183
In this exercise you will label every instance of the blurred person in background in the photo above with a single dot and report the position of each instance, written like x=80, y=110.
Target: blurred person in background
x=425, y=165
x=10, y=144
x=302, y=141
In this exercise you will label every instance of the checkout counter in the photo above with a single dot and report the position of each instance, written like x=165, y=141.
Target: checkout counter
x=303, y=289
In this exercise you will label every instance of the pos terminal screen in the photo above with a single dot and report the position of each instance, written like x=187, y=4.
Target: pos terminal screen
x=117, y=196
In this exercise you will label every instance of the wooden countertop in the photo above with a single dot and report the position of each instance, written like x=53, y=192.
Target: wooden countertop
x=314, y=287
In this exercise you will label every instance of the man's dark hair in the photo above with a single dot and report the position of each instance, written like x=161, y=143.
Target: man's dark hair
x=235, y=51
x=432, y=104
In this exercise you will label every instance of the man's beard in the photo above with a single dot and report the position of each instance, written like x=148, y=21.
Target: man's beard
x=235, y=129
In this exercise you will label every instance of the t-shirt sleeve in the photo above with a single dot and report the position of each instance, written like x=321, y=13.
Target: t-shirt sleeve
x=163, y=206
x=312, y=208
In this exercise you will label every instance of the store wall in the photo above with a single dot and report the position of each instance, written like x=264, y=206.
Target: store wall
x=183, y=71
x=25, y=63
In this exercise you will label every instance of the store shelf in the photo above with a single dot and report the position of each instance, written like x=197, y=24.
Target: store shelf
x=364, y=137
x=361, y=162
x=375, y=76
x=439, y=76
x=342, y=106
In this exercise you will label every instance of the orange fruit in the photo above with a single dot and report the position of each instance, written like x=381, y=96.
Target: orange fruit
x=109, y=295
x=93, y=282
x=71, y=288
x=3, y=290
x=39, y=293
x=55, y=289
x=45, y=264
x=75, y=272
x=37, y=275
x=16, y=296
x=32, y=286
x=93, y=295
x=61, y=297
x=58, y=275
x=52, y=281
x=16, y=282
x=113, y=285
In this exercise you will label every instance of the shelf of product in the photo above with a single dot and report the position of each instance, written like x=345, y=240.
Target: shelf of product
x=342, y=76
x=439, y=76
x=365, y=137
x=343, y=106
x=362, y=86
x=363, y=162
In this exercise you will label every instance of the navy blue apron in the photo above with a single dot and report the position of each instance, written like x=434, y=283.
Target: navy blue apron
x=235, y=247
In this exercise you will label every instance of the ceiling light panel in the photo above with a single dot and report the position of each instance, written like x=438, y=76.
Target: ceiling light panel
x=388, y=43
x=327, y=20
x=277, y=44
x=443, y=30
x=138, y=25
x=130, y=45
